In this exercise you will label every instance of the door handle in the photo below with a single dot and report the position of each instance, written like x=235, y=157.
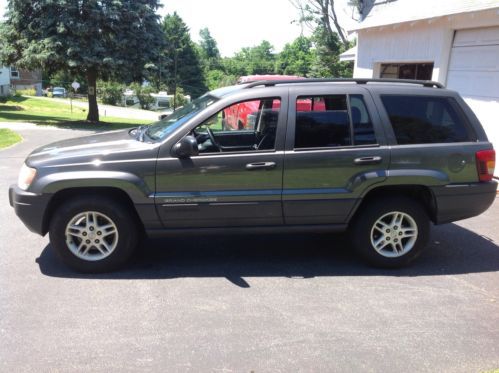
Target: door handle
x=367, y=160
x=260, y=166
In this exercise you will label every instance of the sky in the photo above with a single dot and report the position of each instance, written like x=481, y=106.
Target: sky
x=241, y=23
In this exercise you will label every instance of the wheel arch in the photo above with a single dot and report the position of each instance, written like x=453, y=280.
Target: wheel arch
x=112, y=193
x=419, y=193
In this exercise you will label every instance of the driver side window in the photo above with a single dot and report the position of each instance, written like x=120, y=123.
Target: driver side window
x=244, y=126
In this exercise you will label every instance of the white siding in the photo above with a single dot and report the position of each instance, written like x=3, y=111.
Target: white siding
x=4, y=75
x=405, y=43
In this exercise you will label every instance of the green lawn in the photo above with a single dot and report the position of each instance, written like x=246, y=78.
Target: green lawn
x=45, y=112
x=8, y=138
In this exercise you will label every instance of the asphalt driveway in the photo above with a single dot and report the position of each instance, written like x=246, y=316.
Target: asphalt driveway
x=247, y=303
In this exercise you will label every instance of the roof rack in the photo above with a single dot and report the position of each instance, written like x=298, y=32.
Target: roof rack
x=270, y=83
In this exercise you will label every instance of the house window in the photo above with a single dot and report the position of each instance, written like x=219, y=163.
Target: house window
x=419, y=71
x=14, y=73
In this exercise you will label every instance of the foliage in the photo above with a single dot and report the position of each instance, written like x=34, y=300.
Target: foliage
x=111, y=93
x=180, y=60
x=143, y=94
x=106, y=39
x=26, y=92
x=180, y=99
x=320, y=13
x=296, y=58
x=326, y=62
x=259, y=59
x=209, y=53
x=64, y=79
x=8, y=138
x=328, y=37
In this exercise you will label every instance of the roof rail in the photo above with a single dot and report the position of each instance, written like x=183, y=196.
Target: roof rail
x=270, y=83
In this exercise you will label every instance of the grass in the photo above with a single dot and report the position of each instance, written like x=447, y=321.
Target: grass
x=8, y=138
x=45, y=112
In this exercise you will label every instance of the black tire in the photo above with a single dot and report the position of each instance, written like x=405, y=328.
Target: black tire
x=363, y=232
x=125, y=241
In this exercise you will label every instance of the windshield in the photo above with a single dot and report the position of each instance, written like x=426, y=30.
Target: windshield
x=161, y=129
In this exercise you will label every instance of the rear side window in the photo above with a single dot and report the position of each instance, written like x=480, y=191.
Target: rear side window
x=332, y=121
x=363, y=131
x=425, y=120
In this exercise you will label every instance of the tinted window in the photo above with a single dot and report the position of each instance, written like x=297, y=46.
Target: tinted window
x=425, y=120
x=363, y=131
x=328, y=126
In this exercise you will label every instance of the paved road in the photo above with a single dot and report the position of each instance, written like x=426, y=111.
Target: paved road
x=111, y=111
x=252, y=303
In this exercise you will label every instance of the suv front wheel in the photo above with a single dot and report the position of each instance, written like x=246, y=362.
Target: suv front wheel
x=93, y=234
x=391, y=232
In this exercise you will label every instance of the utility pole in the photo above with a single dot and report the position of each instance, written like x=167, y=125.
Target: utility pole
x=175, y=80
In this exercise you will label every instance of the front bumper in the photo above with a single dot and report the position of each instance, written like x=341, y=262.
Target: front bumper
x=456, y=202
x=30, y=208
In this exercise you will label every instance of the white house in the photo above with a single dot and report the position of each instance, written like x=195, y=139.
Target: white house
x=455, y=42
x=4, y=81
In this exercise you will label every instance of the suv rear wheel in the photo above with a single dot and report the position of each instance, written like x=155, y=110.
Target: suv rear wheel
x=391, y=232
x=93, y=234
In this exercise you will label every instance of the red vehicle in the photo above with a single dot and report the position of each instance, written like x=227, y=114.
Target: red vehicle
x=240, y=116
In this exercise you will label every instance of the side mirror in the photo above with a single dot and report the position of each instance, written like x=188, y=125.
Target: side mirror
x=187, y=147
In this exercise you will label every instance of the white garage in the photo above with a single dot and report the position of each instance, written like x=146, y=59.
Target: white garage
x=474, y=73
x=454, y=42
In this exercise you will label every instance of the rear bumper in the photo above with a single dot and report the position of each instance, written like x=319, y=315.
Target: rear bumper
x=30, y=208
x=456, y=202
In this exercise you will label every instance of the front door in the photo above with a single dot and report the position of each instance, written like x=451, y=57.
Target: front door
x=236, y=180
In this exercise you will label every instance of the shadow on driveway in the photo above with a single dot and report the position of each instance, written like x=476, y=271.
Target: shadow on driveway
x=452, y=250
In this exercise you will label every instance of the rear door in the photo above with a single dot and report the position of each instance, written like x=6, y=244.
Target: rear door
x=335, y=150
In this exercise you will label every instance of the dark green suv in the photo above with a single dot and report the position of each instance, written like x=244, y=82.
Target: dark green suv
x=382, y=159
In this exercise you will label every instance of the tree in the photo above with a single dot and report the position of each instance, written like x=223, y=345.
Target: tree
x=259, y=59
x=328, y=37
x=209, y=50
x=106, y=39
x=180, y=58
x=296, y=58
x=321, y=13
x=326, y=62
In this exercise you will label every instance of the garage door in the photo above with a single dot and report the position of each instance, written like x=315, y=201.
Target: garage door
x=474, y=73
x=474, y=63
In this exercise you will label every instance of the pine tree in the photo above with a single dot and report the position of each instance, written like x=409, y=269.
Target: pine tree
x=101, y=39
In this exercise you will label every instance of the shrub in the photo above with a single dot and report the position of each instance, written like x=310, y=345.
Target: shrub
x=180, y=99
x=25, y=92
x=143, y=95
x=111, y=93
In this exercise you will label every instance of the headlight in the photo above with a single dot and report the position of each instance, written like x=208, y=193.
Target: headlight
x=26, y=176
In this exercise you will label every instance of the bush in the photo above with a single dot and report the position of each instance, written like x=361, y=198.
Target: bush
x=4, y=99
x=180, y=99
x=25, y=92
x=143, y=95
x=110, y=93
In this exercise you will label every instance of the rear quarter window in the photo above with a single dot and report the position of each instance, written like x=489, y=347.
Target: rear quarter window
x=426, y=119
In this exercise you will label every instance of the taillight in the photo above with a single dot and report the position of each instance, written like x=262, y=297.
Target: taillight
x=485, y=163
